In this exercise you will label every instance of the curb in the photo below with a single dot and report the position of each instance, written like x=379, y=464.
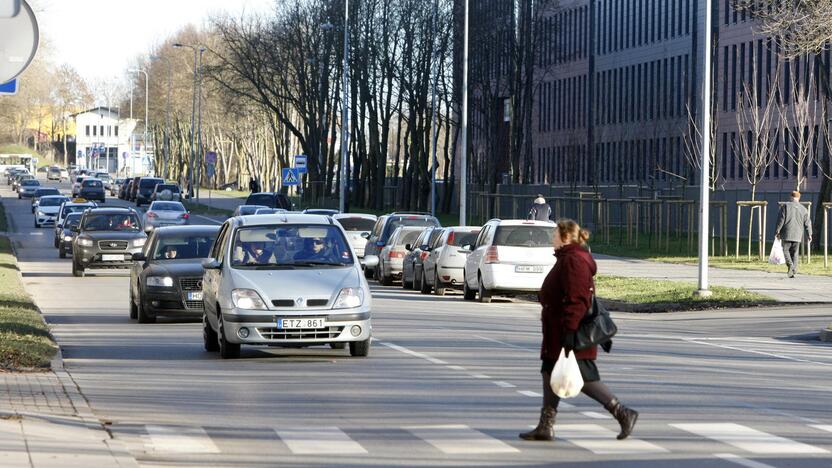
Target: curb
x=826, y=335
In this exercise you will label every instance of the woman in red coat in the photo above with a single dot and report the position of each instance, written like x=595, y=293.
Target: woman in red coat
x=566, y=296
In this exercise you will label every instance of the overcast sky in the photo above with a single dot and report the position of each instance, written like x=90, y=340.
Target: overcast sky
x=100, y=37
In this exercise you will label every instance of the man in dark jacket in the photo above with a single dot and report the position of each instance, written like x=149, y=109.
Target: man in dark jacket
x=792, y=222
x=541, y=211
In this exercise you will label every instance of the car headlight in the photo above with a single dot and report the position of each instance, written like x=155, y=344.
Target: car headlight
x=68, y=238
x=139, y=242
x=85, y=242
x=41, y=214
x=160, y=281
x=247, y=299
x=349, y=298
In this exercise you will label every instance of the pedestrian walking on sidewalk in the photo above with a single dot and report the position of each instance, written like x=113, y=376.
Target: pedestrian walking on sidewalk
x=791, y=223
x=540, y=211
x=566, y=297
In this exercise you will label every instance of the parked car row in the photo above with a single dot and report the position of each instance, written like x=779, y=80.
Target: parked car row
x=145, y=190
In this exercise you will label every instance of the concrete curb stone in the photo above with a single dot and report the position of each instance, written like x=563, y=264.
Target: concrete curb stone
x=826, y=335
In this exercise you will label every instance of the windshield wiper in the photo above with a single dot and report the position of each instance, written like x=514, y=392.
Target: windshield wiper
x=317, y=263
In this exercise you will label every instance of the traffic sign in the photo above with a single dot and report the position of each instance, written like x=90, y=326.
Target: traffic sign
x=210, y=171
x=211, y=157
x=20, y=36
x=290, y=177
x=300, y=163
x=9, y=88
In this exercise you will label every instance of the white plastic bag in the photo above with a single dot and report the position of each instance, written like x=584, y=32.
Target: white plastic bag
x=777, y=257
x=566, y=380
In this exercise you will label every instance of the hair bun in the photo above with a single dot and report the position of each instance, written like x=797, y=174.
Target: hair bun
x=584, y=236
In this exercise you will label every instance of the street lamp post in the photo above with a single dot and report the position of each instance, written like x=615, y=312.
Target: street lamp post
x=167, y=114
x=463, y=164
x=705, y=156
x=193, y=117
x=345, y=111
x=433, y=114
x=146, y=102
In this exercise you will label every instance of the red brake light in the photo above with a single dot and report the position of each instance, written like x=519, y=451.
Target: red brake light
x=423, y=255
x=186, y=216
x=491, y=255
x=451, y=238
x=395, y=254
x=151, y=214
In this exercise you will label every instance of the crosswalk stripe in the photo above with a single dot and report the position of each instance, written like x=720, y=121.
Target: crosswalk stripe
x=748, y=439
x=458, y=439
x=172, y=439
x=734, y=458
x=822, y=427
x=319, y=440
x=595, y=415
x=601, y=441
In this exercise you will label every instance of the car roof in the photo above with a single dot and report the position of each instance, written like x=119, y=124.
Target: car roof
x=112, y=210
x=283, y=218
x=462, y=228
x=355, y=215
x=53, y=196
x=521, y=222
x=195, y=229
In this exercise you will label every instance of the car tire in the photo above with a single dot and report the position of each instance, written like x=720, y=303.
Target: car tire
x=134, y=311
x=417, y=285
x=228, y=350
x=209, y=336
x=56, y=242
x=386, y=280
x=61, y=252
x=483, y=294
x=467, y=293
x=141, y=313
x=37, y=226
x=77, y=270
x=340, y=345
x=360, y=348
x=408, y=284
x=424, y=287
x=368, y=273
x=438, y=288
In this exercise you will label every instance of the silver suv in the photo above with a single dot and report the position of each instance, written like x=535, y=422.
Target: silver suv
x=284, y=280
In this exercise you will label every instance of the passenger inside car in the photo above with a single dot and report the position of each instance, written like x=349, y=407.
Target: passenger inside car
x=170, y=252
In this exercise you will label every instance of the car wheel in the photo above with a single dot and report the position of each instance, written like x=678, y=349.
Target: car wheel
x=341, y=345
x=483, y=293
x=77, y=270
x=368, y=273
x=36, y=224
x=61, y=252
x=141, y=313
x=438, y=289
x=424, y=287
x=386, y=280
x=408, y=284
x=360, y=348
x=227, y=350
x=134, y=311
x=209, y=336
x=467, y=293
x=417, y=285
x=56, y=242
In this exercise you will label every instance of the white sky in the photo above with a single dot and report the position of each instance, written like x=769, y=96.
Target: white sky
x=100, y=37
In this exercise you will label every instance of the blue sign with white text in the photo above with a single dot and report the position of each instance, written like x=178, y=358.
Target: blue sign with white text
x=9, y=88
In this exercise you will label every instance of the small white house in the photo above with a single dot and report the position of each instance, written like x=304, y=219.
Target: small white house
x=105, y=141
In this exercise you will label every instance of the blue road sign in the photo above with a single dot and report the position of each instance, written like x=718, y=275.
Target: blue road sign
x=290, y=177
x=300, y=163
x=210, y=170
x=9, y=88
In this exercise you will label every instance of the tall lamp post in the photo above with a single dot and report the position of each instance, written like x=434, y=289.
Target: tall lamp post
x=146, y=101
x=345, y=110
x=197, y=50
x=167, y=114
x=463, y=164
x=705, y=156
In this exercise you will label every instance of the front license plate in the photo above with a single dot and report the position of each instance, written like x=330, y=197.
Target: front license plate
x=195, y=296
x=292, y=324
x=528, y=269
x=112, y=258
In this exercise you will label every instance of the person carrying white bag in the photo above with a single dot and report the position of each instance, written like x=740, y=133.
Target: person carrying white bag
x=566, y=297
x=777, y=257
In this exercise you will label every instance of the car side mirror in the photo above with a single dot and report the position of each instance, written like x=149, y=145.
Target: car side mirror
x=210, y=264
x=139, y=257
x=370, y=261
x=365, y=235
x=408, y=247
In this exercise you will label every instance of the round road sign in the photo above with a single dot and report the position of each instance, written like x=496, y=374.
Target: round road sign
x=19, y=37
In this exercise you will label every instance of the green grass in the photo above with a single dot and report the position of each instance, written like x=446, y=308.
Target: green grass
x=17, y=149
x=25, y=342
x=205, y=210
x=650, y=295
x=203, y=192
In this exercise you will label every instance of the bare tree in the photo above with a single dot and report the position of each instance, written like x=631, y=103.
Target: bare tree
x=693, y=146
x=798, y=118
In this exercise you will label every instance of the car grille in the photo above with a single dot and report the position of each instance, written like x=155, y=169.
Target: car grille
x=112, y=245
x=194, y=305
x=291, y=303
x=190, y=284
x=301, y=334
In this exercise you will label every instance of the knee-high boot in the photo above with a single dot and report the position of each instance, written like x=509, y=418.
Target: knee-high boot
x=625, y=416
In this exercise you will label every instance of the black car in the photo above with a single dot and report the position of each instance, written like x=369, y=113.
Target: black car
x=68, y=235
x=166, y=278
x=145, y=190
x=106, y=238
x=269, y=200
x=92, y=189
x=124, y=191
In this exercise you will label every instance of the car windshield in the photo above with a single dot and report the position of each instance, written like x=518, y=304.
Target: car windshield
x=183, y=247
x=167, y=206
x=249, y=210
x=112, y=222
x=524, y=236
x=357, y=224
x=52, y=201
x=149, y=183
x=408, y=221
x=290, y=246
x=72, y=220
x=30, y=182
x=457, y=238
x=91, y=184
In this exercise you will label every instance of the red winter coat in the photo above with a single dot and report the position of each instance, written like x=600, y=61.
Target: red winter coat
x=566, y=296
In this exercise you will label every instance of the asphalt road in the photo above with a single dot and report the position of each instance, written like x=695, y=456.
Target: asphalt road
x=447, y=383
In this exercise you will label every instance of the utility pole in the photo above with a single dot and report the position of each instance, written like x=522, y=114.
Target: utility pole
x=463, y=164
x=433, y=113
x=705, y=178
x=345, y=111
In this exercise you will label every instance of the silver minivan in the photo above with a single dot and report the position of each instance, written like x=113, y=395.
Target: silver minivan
x=288, y=280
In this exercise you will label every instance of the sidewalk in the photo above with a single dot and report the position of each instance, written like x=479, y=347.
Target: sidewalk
x=802, y=289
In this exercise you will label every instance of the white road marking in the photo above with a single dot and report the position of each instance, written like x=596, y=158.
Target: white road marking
x=319, y=441
x=402, y=349
x=748, y=439
x=595, y=415
x=172, y=439
x=456, y=368
x=520, y=348
x=480, y=376
x=822, y=427
x=529, y=393
x=763, y=353
x=502, y=384
x=564, y=405
x=601, y=441
x=733, y=458
x=458, y=439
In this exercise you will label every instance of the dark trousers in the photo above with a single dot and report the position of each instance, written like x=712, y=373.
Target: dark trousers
x=791, y=250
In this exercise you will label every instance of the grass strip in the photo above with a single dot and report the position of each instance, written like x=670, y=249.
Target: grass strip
x=25, y=342
x=206, y=210
x=650, y=295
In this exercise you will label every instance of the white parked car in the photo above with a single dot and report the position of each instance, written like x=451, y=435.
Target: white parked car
x=444, y=264
x=358, y=227
x=165, y=213
x=508, y=257
x=284, y=280
x=391, y=258
x=47, y=209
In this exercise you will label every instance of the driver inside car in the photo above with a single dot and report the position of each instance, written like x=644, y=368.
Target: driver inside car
x=313, y=249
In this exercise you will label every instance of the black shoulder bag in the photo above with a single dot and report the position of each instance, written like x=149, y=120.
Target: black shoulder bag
x=597, y=328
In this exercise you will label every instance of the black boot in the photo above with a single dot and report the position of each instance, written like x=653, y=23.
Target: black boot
x=545, y=429
x=625, y=416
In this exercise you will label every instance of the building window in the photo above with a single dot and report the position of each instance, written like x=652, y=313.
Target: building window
x=88, y=130
x=115, y=130
x=94, y=130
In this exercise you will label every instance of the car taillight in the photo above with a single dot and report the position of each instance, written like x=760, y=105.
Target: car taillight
x=423, y=255
x=395, y=254
x=491, y=255
x=185, y=216
x=451, y=238
x=151, y=214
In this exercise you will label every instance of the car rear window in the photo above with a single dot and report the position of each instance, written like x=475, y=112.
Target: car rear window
x=171, y=187
x=112, y=222
x=249, y=210
x=264, y=199
x=408, y=237
x=458, y=239
x=48, y=201
x=149, y=183
x=397, y=221
x=73, y=220
x=524, y=236
x=91, y=184
x=356, y=224
x=166, y=206
x=29, y=182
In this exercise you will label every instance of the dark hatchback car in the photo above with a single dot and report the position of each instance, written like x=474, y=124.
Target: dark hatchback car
x=145, y=190
x=166, y=278
x=125, y=189
x=92, y=189
x=269, y=200
x=134, y=189
x=106, y=238
x=68, y=235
